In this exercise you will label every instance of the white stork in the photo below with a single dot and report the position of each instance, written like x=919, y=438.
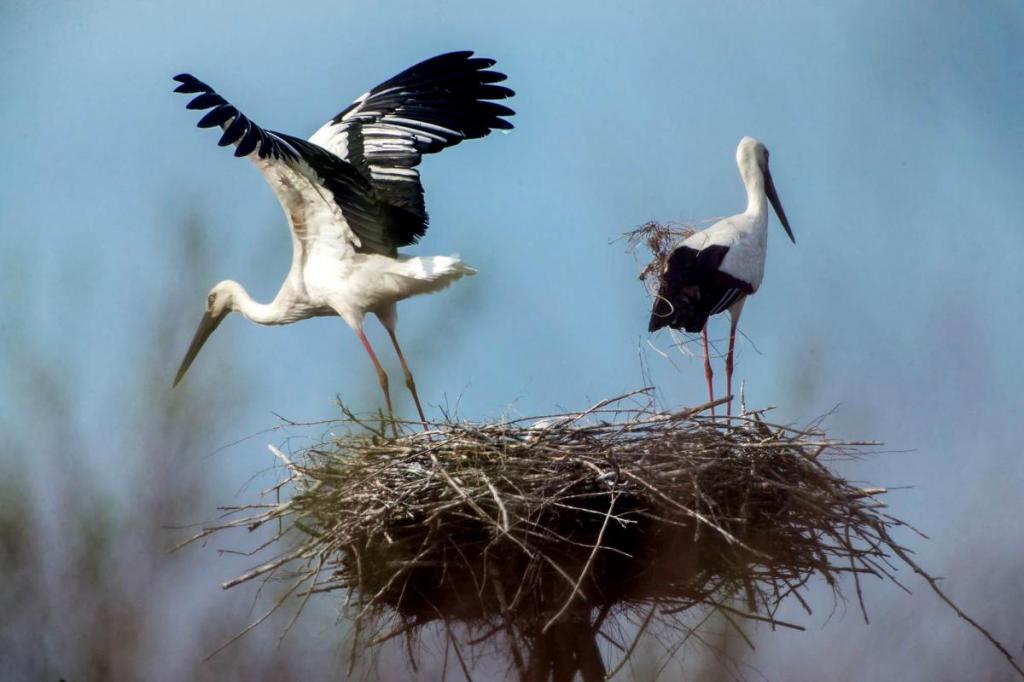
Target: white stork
x=352, y=196
x=714, y=270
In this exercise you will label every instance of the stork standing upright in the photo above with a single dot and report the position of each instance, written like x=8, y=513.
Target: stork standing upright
x=714, y=270
x=352, y=196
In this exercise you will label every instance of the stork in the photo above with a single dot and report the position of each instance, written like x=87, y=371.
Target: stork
x=352, y=197
x=714, y=270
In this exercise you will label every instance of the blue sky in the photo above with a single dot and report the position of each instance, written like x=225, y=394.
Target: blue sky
x=896, y=136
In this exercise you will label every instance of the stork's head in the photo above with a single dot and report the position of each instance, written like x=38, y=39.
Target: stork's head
x=751, y=153
x=752, y=158
x=219, y=302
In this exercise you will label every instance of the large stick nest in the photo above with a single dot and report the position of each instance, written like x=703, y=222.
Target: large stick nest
x=583, y=513
x=512, y=528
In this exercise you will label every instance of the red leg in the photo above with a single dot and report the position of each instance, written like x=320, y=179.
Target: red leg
x=707, y=370
x=409, y=383
x=728, y=363
x=382, y=377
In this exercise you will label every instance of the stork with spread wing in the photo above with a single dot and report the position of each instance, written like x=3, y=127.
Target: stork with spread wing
x=352, y=195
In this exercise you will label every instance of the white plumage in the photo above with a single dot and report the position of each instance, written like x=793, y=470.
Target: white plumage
x=352, y=196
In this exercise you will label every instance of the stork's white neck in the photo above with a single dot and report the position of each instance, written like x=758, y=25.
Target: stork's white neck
x=260, y=313
x=753, y=180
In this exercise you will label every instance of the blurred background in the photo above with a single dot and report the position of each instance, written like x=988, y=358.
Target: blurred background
x=896, y=136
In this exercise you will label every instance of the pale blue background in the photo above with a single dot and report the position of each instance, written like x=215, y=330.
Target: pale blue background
x=896, y=133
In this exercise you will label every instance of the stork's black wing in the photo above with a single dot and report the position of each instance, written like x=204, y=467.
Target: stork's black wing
x=693, y=288
x=424, y=109
x=311, y=183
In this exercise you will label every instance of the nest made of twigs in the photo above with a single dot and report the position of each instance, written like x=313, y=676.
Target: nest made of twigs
x=513, y=528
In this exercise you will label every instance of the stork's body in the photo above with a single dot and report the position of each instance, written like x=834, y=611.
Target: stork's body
x=352, y=196
x=714, y=270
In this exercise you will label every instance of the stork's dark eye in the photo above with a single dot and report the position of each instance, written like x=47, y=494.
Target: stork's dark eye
x=210, y=299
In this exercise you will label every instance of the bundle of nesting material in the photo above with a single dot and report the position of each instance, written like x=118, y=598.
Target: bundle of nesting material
x=527, y=534
x=660, y=239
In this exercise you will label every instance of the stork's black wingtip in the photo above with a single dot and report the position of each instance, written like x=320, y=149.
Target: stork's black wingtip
x=186, y=83
x=190, y=84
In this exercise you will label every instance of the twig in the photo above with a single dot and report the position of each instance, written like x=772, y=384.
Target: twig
x=583, y=572
x=934, y=584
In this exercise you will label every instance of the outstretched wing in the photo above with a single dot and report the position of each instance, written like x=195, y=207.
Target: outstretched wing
x=324, y=197
x=424, y=109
